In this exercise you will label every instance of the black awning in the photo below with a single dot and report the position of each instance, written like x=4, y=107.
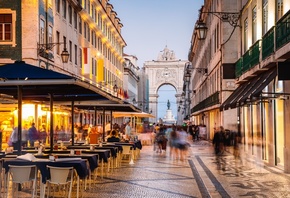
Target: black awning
x=269, y=76
x=249, y=90
x=252, y=85
x=37, y=83
x=230, y=102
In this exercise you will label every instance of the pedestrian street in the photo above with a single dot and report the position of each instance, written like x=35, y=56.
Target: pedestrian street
x=157, y=175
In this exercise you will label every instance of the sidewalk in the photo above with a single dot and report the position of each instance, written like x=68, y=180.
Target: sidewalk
x=156, y=175
x=230, y=177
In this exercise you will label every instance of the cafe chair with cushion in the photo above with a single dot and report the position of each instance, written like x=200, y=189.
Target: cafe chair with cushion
x=19, y=175
x=61, y=177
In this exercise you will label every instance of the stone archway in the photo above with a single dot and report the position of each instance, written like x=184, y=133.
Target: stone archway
x=165, y=70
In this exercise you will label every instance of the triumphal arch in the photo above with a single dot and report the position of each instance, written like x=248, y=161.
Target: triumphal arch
x=166, y=70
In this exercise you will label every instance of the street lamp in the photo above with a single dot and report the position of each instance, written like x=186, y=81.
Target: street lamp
x=201, y=30
x=189, y=67
x=43, y=50
x=230, y=17
x=104, y=83
x=115, y=88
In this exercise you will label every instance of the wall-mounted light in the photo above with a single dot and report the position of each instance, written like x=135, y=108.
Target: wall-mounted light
x=42, y=50
x=230, y=17
x=201, y=30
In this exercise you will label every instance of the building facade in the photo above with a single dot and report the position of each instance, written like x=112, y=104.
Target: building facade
x=39, y=32
x=258, y=101
x=131, y=79
x=212, y=66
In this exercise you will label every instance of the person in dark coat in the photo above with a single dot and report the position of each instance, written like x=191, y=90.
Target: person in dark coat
x=114, y=137
x=32, y=134
x=219, y=141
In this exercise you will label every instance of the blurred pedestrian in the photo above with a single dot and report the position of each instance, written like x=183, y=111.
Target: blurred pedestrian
x=219, y=141
x=190, y=131
x=161, y=140
x=196, y=132
x=42, y=134
x=32, y=135
x=14, y=139
x=24, y=135
x=128, y=131
x=182, y=142
x=173, y=144
x=219, y=147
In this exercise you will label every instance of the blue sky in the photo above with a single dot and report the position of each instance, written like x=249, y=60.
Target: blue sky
x=150, y=25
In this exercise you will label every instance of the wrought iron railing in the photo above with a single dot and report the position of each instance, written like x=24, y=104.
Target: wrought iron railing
x=208, y=102
x=283, y=31
x=251, y=57
x=268, y=43
x=239, y=67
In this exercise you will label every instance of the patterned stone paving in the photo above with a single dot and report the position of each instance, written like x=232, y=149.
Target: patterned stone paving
x=156, y=175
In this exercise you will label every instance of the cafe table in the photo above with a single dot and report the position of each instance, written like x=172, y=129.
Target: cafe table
x=104, y=156
x=80, y=165
x=119, y=151
x=92, y=158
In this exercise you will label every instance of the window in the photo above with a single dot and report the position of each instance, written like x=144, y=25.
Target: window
x=81, y=58
x=279, y=12
x=70, y=51
x=70, y=14
x=92, y=38
x=245, y=35
x=85, y=30
x=64, y=9
x=89, y=33
x=254, y=24
x=57, y=41
x=89, y=6
x=93, y=66
x=93, y=13
x=75, y=20
x=64, y=39
x=42, y=33
x=80, y=25
x=76, y=54
x=57, y=5
x=50, y=39
x=265, y=16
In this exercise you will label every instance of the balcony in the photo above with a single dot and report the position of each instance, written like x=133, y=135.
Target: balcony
x=268, y=46
x=239, y=67
x=249, y=59
x=279, y=34
x=283, y=31
x=208, y=102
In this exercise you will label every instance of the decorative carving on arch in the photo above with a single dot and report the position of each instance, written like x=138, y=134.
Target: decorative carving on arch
x=166, y=75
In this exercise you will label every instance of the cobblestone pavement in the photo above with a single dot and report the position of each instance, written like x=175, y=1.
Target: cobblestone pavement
x=155, y=175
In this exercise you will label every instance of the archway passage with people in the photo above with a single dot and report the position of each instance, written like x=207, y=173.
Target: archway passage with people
x=166, y=70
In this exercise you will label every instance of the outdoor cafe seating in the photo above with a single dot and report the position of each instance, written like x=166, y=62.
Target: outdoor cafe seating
x=89, y=163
